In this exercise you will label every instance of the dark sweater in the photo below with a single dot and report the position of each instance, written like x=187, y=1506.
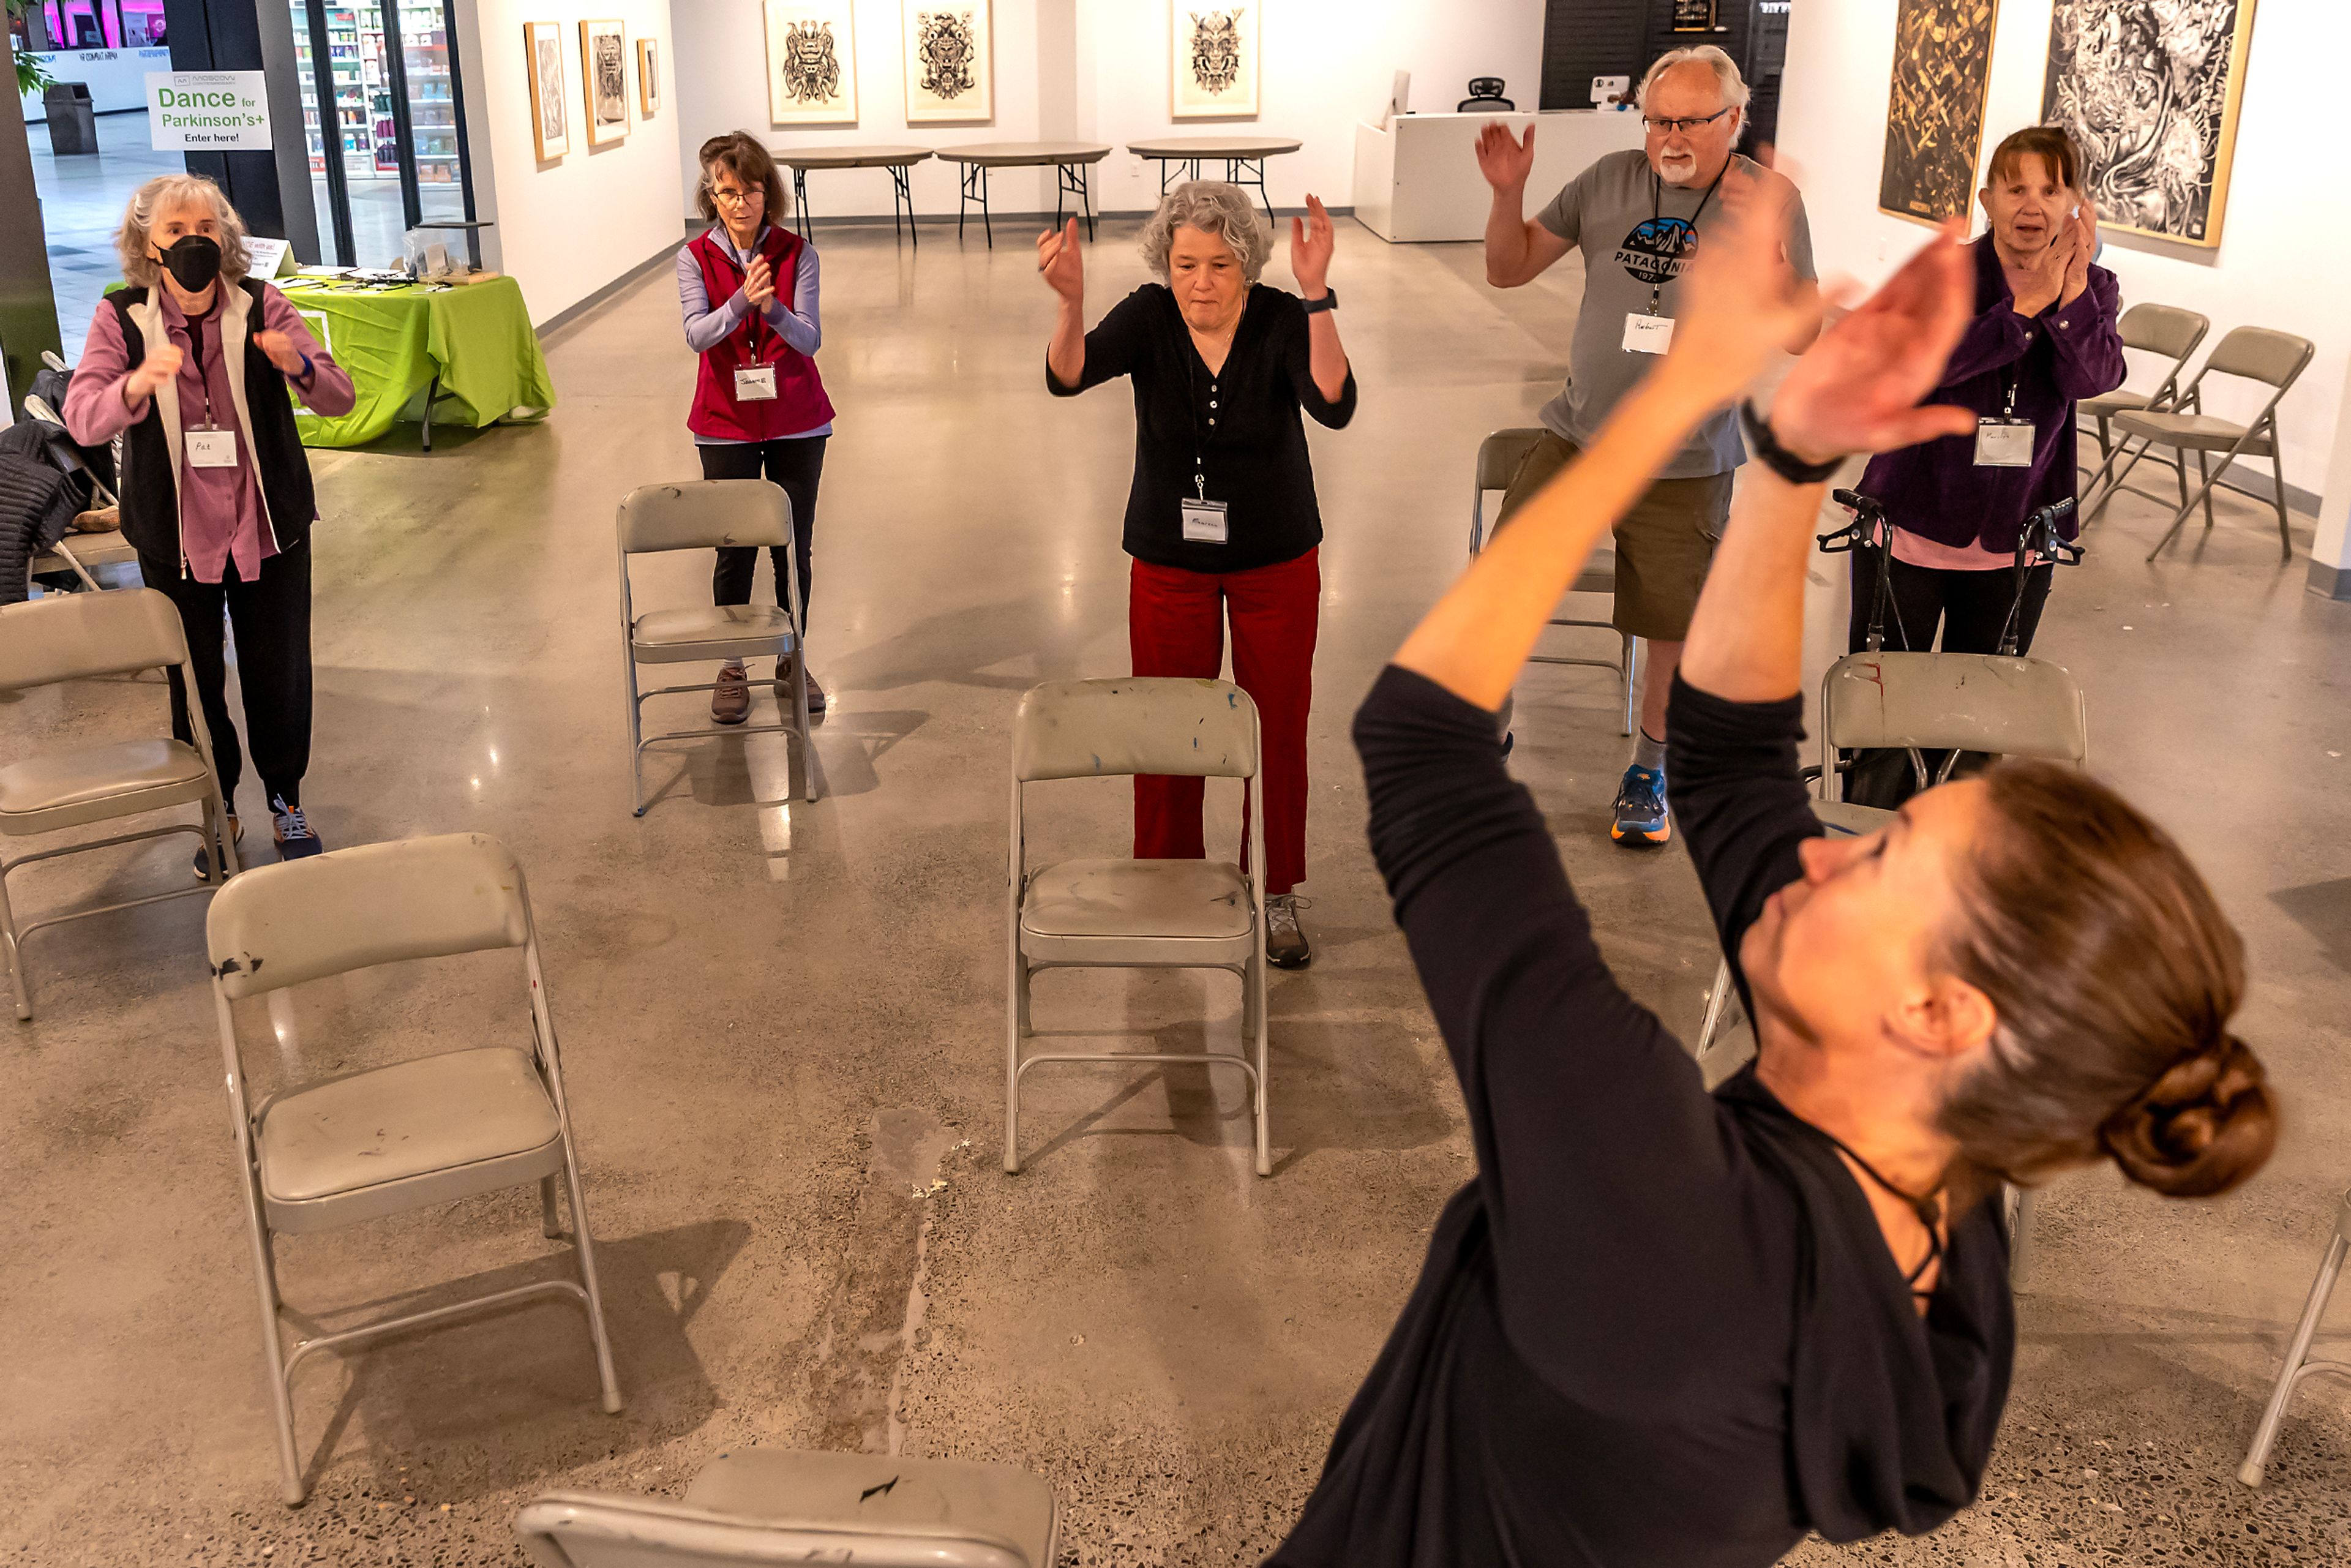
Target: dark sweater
x=1254, y=454
x=1658, y=1327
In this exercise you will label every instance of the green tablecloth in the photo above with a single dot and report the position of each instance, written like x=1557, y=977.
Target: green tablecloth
x=475, y=337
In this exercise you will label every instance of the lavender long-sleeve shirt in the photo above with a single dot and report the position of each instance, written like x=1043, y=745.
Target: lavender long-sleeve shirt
x=220, y=508
x=705, y=325
x=2051, y=361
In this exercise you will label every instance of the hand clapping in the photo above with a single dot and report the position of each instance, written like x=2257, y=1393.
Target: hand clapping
x=759, y=284
x=281, y=351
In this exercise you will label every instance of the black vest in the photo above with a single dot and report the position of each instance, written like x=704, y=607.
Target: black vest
x=151, y=500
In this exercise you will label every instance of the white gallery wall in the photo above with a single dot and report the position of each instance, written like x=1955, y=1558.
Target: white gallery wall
x=2281, y=262
x=1099, y=70
x=568, y=226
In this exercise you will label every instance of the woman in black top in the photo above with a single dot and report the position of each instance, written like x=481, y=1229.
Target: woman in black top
x=1221, y=518
x=1661, y=1327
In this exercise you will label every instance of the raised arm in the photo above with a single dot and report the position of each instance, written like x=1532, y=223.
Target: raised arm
x=1517, y=248
x=1064, y=269
x=1312, y=242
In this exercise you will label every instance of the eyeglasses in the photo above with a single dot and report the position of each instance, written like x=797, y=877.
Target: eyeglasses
x=737, y=198
x=1685, y=126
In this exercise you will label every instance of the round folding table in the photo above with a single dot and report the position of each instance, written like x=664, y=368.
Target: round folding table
x=1070, y=160
x=1244, y=158
x=897, y=160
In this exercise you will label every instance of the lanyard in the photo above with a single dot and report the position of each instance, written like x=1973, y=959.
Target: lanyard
x=1657, y=205
x=204, y=377
x=1192, y=404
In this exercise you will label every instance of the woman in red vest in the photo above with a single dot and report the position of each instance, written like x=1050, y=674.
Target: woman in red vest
x=749, y=295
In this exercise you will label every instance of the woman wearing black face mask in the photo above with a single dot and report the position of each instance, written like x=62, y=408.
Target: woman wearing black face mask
x=193, y=364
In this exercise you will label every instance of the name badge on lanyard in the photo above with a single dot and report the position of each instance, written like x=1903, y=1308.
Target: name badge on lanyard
x=2004, y=441
x=209, y=448
x=1203, y=522
x=755, y=383
x=1645, y=334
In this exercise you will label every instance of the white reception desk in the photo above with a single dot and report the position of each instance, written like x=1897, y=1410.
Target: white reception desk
x=1417, y=179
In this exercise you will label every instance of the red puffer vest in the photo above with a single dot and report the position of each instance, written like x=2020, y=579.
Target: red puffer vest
x=799, y=404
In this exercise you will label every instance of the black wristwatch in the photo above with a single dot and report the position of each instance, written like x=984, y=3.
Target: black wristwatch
x=1330, y=301
x=1778, y=458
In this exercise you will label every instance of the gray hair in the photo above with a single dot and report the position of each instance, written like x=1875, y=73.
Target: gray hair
x=1724, y=69
x=1216, y=209
x=161, y=194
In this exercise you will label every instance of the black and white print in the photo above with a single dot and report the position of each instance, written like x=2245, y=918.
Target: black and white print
x=1214, y=50
x=812, y=62
x=948, y=68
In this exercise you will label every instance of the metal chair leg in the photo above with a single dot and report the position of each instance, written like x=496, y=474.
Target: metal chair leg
x=1718, y=999
x=1631, y=703
x=1016, y=990
x=15, y=950
x=2113, y=482
x=550, y=1224
x=2204, y=473
x=2023, y=1202
x=291, y=1489
x=636, y=736
x=2297, y=1362
x=1264, y=1112
x=2277, y=497
x=585, y=1246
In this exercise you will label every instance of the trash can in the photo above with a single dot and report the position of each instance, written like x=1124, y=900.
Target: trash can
x=73, y=120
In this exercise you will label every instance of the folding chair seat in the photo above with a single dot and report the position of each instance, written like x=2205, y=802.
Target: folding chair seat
x=1498, y=457
x=321, y=1155
x=2163, y=329
x=711, y=514
x=772, y=1506
x=2298, y=1363
x=1130, y=914
x=2276, y=359
x=66, y=637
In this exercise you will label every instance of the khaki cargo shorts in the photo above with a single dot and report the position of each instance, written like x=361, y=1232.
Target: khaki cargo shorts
x=1663, y=544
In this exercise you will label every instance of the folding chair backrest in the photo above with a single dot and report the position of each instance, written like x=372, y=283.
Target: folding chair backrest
x=1499, y=454
x=2164, y=330
x=1975, y=702
x=590, y=1529
x=1081, y=730
x=2263, y=355
x=705, y=514
x=74, y=637
x=376, y=903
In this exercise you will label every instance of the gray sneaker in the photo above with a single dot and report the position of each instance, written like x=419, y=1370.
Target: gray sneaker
x=784, y=689
x=1285, y=940
x=731, y=702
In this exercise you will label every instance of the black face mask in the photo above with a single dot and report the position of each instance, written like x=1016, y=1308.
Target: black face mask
x=194, y=262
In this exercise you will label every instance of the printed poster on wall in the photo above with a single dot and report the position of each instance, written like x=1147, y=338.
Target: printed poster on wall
x=812, y=62
x=1935, y=112
x=550, y=116
x=1215, y=56
x=604, y=80
x=207, y=111
x=648, y=78
x=950, y=62
x=2149, y=90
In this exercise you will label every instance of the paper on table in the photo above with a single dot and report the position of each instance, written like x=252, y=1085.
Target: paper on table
x=270, y=256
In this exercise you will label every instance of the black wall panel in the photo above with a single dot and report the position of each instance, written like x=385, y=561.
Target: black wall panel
x=1586, y=38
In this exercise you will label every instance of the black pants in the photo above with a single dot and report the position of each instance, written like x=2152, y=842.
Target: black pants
x=1969, y=608
x=795, y=464
x=272, y=619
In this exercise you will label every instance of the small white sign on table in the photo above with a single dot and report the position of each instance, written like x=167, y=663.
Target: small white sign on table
x=208, y=112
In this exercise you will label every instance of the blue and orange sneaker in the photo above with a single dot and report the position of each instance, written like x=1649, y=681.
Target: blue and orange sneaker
x=1641, y=820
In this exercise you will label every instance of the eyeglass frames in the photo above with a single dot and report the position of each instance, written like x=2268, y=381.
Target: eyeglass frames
x=1684, y=126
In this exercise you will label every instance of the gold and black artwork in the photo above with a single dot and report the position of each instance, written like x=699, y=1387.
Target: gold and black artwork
x=1933, y=117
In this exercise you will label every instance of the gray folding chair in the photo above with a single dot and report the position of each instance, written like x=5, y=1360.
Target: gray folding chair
x=1136, y=914
x=332, y=1151
x=2256, y=353
x=75, y=636
x=2163, y=329
x=77, y=553
x=2298, y=1363
x=771, y=1505
x=709, y=514
x=1499, y=456
x=1919, y=702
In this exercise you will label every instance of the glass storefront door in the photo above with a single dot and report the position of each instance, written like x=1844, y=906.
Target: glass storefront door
x=391, y=93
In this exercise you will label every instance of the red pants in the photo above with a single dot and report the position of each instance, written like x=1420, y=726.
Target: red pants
x=1176, y=626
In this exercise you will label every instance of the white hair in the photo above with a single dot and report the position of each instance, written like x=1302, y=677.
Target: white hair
x=1216, y=209
x=1724, y=69
x=162, y=195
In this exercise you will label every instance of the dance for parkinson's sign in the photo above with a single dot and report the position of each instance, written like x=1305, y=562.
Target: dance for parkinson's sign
x=207, y=111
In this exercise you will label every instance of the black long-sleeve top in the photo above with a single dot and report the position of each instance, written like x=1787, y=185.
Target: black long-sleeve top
x=1659, y=1326
x=1241, y=423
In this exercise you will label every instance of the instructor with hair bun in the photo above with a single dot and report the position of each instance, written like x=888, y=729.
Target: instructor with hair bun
x=1221, y=518
x=1660, y=1326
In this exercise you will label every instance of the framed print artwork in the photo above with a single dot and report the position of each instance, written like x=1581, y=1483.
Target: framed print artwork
x=950, y=61
x=812, y=62
x=1935, y=108
x=1215, y=56
x=551, y=119
x=648, y=78
x=2150, y=91
x=604, y=80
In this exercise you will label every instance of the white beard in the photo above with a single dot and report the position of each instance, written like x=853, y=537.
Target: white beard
x=1677, y=172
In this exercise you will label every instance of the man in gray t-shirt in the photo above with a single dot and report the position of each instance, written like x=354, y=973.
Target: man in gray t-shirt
x=1637, y=217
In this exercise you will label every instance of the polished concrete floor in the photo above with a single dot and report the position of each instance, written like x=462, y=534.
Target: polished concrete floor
x=783, y=1022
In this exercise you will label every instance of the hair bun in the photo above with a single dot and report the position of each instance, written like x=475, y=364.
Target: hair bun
x=2205, y=1125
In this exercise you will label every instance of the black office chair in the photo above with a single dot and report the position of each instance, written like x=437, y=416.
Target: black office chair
x=1485, y=93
